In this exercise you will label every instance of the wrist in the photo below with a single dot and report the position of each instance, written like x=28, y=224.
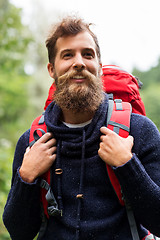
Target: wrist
x=124, y=160
x=26, y=177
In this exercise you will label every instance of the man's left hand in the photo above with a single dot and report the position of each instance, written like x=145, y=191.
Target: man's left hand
x=115, y=150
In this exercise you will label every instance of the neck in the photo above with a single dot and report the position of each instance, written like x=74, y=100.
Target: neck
x=76, y=118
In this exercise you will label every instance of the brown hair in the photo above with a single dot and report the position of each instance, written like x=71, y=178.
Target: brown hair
x=67, y=27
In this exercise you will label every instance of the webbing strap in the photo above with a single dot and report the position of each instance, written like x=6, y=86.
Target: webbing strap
x=110, y=110
x=41, y=120
x=52, y=203
x=118, y=104
x=36, y=136
x=44, y=184
x=116, y=130
x=38, y=128
x=132, y=222
x=119, y=125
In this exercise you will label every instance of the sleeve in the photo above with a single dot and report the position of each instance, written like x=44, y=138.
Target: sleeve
x=140, y=177
x=22, y=211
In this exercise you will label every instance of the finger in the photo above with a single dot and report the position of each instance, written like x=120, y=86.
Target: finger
x=45, y=137
x=53, y=150
x=102, y=153
x=52, y=158
x=102, y=138
x=51, y=142
x=106, y=130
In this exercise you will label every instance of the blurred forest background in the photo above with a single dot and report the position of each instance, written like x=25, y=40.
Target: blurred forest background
x=24, y=84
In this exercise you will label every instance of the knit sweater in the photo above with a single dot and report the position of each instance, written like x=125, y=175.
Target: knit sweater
x=99, y=215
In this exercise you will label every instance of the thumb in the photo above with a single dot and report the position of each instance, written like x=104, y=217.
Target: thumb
x=27, y=149
x=130, y=140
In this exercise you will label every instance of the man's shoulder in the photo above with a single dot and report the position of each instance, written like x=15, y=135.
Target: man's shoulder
x=140, y=123
x=140, y=119
x=21, y=146
x=136, y=116
x=24, y=138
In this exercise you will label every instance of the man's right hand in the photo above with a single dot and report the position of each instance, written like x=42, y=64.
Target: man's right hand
x=39, y=158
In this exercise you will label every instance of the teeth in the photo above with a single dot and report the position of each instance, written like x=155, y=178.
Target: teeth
x=78, y=77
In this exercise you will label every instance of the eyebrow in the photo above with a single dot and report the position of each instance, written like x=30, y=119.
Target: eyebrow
x=90, y=49
x=70, y=50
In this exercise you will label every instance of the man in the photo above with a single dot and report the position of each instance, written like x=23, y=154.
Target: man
x=79, y=144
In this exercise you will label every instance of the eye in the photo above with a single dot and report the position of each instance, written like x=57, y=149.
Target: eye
x=88, y=55
x=67, y=55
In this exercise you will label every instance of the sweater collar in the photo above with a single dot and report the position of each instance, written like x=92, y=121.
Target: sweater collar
x=52, y=120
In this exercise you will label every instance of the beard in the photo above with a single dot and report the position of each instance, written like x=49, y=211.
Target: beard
x=78, y=97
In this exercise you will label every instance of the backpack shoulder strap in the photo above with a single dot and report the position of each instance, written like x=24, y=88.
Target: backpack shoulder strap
x=38, y=128
x=50, y=206
x=118, y=120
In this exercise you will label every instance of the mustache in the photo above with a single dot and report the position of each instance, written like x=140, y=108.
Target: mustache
x=69, y=75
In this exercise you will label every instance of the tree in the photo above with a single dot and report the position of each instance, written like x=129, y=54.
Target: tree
x=150, y=91
x=149, y=77
x=151, y=100
x=14, y=39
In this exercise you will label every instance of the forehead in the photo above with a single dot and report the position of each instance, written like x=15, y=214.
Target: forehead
x=80, y=41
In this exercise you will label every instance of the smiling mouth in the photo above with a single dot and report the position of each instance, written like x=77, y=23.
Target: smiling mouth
x=78, y=78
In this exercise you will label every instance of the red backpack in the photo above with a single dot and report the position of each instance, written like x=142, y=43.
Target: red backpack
x=120, y=83
x=124, y=98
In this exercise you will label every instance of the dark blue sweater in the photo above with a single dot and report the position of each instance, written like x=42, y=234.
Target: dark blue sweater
x=99, y=215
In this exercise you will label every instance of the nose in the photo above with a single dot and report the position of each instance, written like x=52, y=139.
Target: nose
x=78, y=62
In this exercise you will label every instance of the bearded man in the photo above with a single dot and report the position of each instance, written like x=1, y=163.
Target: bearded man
x=78, y=144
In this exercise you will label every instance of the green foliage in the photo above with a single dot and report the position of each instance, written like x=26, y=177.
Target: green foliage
x=13, y=101
x=6, y=155
x=14, y=39
x=150, y=91
x=151, y=98
x=152, y=76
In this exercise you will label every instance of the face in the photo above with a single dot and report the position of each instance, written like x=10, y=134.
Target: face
x=75, y=53
x=76, y=72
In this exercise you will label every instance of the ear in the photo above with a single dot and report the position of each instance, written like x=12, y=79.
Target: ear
x=100, y=69
x=51, y=70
